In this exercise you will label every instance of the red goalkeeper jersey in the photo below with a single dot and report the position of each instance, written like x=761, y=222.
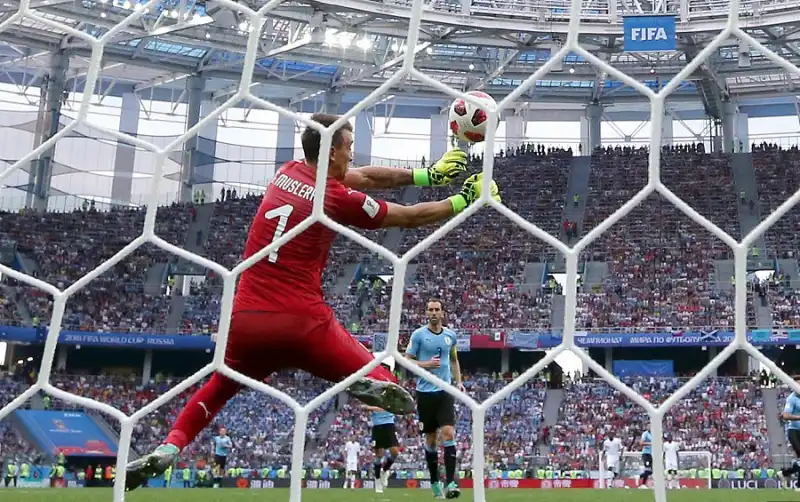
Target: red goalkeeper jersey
x=290, y=278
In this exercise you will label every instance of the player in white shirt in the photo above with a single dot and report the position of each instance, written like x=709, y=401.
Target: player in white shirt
x=612, y=448
x=671, y=449
x=352, y=449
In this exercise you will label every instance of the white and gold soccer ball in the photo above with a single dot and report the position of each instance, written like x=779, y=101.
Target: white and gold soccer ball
x=467, y=121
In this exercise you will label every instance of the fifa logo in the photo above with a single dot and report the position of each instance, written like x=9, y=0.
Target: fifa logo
x=646, y=34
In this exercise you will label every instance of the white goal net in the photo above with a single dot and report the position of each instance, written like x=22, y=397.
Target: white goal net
x=414, y=14
x=694, y=470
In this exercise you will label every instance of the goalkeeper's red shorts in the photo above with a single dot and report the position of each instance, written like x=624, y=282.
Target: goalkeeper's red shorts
x=261, y=343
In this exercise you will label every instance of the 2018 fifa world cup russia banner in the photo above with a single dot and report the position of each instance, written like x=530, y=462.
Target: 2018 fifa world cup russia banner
x=123, y=340
x=70, y=432
x=466, y=341
x=94, y=339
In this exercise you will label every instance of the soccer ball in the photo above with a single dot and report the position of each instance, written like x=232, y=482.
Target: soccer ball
x=467, y=121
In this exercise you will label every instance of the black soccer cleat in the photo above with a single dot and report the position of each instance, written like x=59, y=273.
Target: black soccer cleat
x=452, y=491
x=150, y=466
x=385, y=395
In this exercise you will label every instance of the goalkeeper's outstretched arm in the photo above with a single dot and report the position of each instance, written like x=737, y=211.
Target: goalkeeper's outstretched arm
x=417, y=215
x=377, y=177
x=426, y=213
x=450, y=166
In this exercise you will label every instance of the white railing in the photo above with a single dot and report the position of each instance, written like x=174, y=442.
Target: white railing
x=256, y=19
x=606, y=11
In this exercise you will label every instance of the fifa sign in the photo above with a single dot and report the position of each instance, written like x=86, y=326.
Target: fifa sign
x=649, y=33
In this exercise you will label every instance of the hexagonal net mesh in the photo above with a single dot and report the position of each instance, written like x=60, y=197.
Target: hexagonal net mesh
x=256, y=19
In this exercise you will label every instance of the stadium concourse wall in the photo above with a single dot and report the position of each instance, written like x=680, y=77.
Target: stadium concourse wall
x=466, y=342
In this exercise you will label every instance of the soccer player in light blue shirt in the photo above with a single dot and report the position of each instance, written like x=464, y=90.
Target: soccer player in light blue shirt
x=222, y=448
x=647, y=457
x=791, y=424
x=384, y=437
x=435, y=348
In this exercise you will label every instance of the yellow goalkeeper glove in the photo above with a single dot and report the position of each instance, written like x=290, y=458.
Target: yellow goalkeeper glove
x=470, y=192
x=452, y=164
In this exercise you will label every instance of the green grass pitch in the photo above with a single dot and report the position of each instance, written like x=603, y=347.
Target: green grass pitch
x=396, y=495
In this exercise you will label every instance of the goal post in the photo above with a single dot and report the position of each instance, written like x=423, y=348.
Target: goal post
x=691, y=465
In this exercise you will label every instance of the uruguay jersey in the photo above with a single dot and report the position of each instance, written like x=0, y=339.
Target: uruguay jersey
x=382, y=418
x=792, y=407
x=222, y=445
x=647, y=438
x=425, y=345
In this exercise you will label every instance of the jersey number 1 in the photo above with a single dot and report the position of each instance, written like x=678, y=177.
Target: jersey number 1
x=282, y=213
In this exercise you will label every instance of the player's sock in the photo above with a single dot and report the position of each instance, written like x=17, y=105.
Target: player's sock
x=201, y=409
x=377, y=466
x=432, y=459
x=387, y=464
x=450, y=460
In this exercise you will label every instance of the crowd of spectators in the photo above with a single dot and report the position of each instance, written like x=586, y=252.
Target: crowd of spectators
x=12, y=444
x=660, y=274
x=511, y=428
x=777, y=174
x=9, y=312
x=261, y=426
x=724, y=416
x=660, y=262
x=63, y=247
x=478, y=268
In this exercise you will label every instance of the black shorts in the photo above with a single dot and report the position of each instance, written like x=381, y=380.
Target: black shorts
x=384, y=436
x=647, y=460
x=221, y=461
x=435, y=410
x=793, y=436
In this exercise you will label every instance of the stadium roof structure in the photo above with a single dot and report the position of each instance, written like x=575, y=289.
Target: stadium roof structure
x=310, y=47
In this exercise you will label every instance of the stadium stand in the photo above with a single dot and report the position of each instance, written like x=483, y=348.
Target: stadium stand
x=660, y=276
x=778, y=176
x=12, y=444
x=461, y=268
x=116, y=300
x=660, y=262
x=592, y=409
x=260, y=425
x=512, y=427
